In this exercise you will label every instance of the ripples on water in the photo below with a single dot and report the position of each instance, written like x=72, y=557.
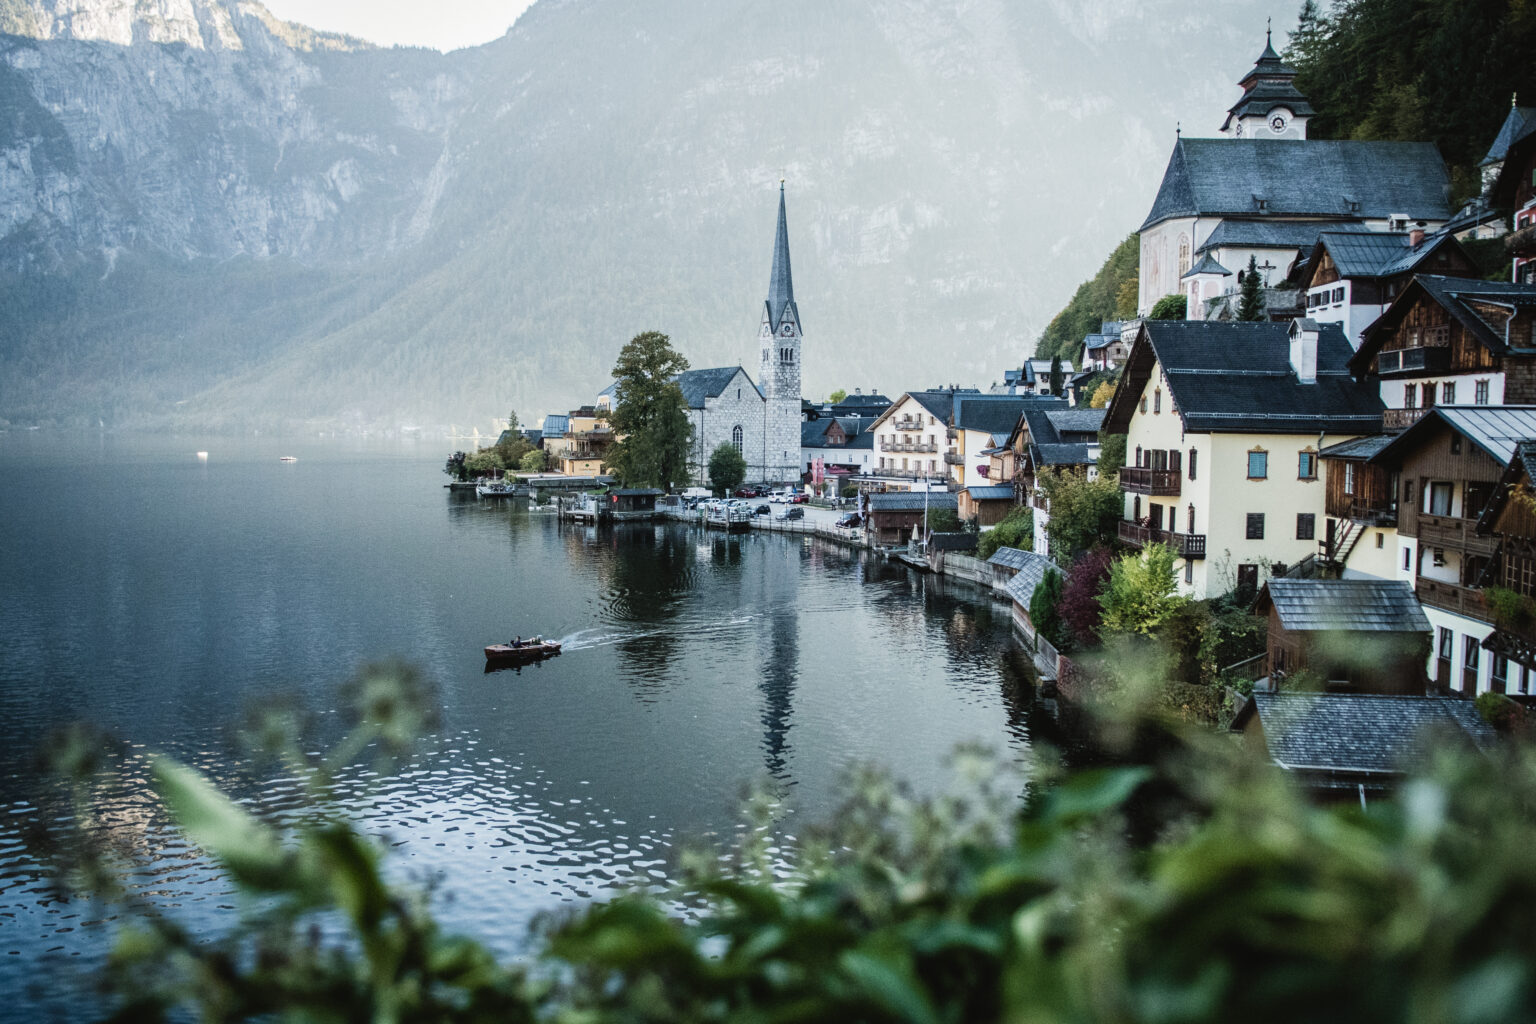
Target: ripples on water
x=176, y=594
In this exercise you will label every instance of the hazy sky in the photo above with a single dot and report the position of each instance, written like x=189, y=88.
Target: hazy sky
x=442, y=25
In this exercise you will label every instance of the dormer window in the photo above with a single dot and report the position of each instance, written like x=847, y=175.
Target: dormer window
x=1260, y=203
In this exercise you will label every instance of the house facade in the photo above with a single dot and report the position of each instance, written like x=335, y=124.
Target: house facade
x=1510, y=170
x=1224, y=422
x=1351, y=277
x=910, y=438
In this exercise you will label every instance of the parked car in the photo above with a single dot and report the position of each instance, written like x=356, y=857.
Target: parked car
x=850, y=520
x=799, y=499
x=793, y=512
x=763, y=510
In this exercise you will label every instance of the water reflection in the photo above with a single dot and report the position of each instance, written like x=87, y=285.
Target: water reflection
x=779, y=656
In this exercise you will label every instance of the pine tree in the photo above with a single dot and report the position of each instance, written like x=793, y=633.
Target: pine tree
x=1251, y=304
x=1056, y=378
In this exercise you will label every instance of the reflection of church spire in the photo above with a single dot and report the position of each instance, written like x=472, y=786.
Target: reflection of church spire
x=780, y=671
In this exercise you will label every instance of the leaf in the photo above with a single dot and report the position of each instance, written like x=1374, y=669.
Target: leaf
x=249, y=849
x=888, y=979
x=1090, y=793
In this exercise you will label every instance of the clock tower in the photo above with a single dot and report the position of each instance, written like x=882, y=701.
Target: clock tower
x=1272, y=107
x=779, y=342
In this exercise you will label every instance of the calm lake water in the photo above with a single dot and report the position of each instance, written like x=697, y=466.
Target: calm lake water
x=159, y=596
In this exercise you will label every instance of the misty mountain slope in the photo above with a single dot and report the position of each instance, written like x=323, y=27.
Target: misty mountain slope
x=487, y=228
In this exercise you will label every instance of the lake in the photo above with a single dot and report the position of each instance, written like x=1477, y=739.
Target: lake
x=160, y=596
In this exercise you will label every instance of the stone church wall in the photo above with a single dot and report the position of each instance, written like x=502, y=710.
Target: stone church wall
x=739, y=404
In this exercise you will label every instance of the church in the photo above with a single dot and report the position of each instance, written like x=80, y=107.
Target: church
x=761, y=420
x=1264, y=190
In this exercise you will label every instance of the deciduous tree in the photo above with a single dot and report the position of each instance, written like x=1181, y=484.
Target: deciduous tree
x=1083, y=512
x=1142, y=592
x=727, y=467
x=650, y=415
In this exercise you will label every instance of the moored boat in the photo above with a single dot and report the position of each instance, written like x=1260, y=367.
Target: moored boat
x=500, y=490
x=522, y=650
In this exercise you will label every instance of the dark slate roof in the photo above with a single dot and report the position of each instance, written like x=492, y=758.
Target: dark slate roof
x=1359, y=733
x=1378, y=253
x=1302, y=177
x=1094, y=342
x=952, y=541
x=812, y=433
x=1265, y=96
x=862, y=400
x=1272, y=234
x=1022, y=587
x=1076, y=420
x=1496, y=429
x=938, y=403
x=994, y=414
x=1370, y=606
x=781, y=287
x=636, y=492
x=1235, y=377
x=1207, y=263
x=698, y=385
x=906, y=501
x=1520, y=122
x=1062, y=455
x=1454, y=294
x=1010, y=558
x=1357, y=448
x=991, y=492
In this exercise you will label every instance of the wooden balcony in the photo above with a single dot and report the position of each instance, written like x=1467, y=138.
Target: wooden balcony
x=1432, y=356
x=1363, y=511
x=1451, y=597
x=1456, y=534
x=1400, y=419
x=1155, y=482
x=1185, y=545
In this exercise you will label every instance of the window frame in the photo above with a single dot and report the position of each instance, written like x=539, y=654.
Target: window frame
x=1306, y=526
x=1306, y=465
x=1255, y=526
x=1263, y=456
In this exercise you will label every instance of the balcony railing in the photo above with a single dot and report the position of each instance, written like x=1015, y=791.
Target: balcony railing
x=1361, y=511
x=1157, y=482
x=1185, y=545
x=906, y=474
x=1457, y=534
x=907, y=423
x=1452, y=597
x=1433, y=354
x=887, y=445
x=1400, y=419
x=954, y=458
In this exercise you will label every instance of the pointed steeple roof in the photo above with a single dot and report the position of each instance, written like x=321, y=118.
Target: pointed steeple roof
x=781, y=286
x=1269, y=84
x=1520, y=122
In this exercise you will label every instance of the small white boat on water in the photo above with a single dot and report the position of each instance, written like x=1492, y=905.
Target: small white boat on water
x=500, y=489
x=288, y=458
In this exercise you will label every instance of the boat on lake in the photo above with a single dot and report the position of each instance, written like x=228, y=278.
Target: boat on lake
x=520, y=651
x=500, y=489
x=287, y=458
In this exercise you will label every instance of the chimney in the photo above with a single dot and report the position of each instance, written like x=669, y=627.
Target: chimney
x=857, y=391
x=1416, y=235
x=1304, y=350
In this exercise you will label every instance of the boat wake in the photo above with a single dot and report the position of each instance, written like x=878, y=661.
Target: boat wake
x=598, y=636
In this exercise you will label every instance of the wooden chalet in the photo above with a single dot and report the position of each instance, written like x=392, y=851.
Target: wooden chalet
x=1359, y=635
x=1352, y=276
x=1511, y=163
x=892, y=516
x=986, y=505
x=1510, y=521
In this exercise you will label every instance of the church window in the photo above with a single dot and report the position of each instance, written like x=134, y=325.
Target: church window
x=736, y=438
x=738, y=394
x=1183, y=255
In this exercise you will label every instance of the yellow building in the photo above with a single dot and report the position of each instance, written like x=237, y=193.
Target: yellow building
x=1224, y=422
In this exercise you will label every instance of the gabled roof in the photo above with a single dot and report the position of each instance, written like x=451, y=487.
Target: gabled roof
x=1062, y=455
x=1360, y=448
x=1300, y=235
x=1010, y=558
x=1076, y=420
x=862, y=400
x=1358, y=733
x=994, y=414
x=698, y=385
x=1371, y=606
x=1496, y=429
x=1454, y=294
x=1342, y=179
x=813, y=433
x=1207, y=264
x=555, y=425
x=991, y=492
x=1235, y=377
x=1520, y=470
x=907, y=501
x=1377, y=253
x=1518, y=124
x=1022, y=587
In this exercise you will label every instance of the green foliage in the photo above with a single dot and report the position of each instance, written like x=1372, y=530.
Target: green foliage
x=849, y=491
x=535, y=460
x=1503, y=713
x=1447, y=81
x=1489, y=256
x=1111, y=454
x=1103, y=297
x=1191, y=884
x=1142, y=592
x=727, y=468
x=650, y=415
x=484, y=461
x=1056, y=377
x=1169, y=307
x=1016, y=530
x=943, y=520
x=1250, y=304
x=1511, y=609
x=1084, y=512
x=455, y=466
x=837, y=396
x=1045, y=613
x=1232, y=634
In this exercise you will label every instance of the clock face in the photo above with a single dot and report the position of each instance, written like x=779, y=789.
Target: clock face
x=1277, y=123
x=788, y=330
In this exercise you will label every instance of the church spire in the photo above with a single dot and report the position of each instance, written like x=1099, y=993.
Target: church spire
x=781, y=286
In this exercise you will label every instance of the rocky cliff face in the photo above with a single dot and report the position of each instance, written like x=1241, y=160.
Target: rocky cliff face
x=208, y=215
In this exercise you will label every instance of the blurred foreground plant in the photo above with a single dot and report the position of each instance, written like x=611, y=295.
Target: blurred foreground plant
x=1195, y=887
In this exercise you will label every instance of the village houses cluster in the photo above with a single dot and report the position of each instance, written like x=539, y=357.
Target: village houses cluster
x=1359, y=459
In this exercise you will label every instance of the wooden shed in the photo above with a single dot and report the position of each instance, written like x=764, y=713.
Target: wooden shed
x=893, y=515
x=1360, y=635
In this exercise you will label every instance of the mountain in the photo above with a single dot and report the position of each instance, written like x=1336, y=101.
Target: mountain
x=212, y=218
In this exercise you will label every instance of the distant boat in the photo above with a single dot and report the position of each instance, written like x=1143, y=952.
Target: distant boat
x=500, y=490
x=518, y=651
x=288, y=458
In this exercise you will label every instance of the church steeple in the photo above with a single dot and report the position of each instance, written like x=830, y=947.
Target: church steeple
x=1271, y=107
x=781, y=285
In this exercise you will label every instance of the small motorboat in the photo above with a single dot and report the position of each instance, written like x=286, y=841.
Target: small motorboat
x=500, y=490
x=517, y=651
x=287, y=458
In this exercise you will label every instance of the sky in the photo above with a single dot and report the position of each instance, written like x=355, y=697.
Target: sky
x=442, y=25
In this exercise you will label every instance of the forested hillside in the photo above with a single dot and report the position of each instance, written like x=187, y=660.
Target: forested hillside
x=1396, y=70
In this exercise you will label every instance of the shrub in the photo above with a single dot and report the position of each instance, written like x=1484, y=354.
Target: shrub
x=1080, y=608
x=1084, y=512
x=1044, y=613
x=1169, y=307
x=1141, y=592
x=1016, y=530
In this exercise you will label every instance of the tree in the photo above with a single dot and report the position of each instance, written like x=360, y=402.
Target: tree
x=650, y=415
x=837, y=396
x=1080, y=608
x=1141, y=593
x=1111, y=453
x=1084, y=512
x=1108, y=295
x=727, y=467
x=1169, y=307
x=1056, y=378
x=485, y=460
x=1251, y=304
x=1016, y=530
x=455, y=467
x=1102, y=395
x=943, y=520
x=535, y=461
x=512, y=420
x=1044, y=612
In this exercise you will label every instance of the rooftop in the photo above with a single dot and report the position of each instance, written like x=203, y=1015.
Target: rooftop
x=907, y=501
x=1356, y=605
x=1032, y=570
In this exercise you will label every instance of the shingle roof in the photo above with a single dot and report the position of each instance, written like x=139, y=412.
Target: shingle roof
x=1076, y=421
x=1273, y=234
x=1236, y=377
x=1520, y=122
x=1062, y=455
x=1359, y=733
x=1033, y=569
x=907, y=501
x=1377, y=253
x=698, y=385
x=863, y=400
x=994, y=414
x=991, y=492
x=1496, y=429
x=952, y=541
x=1302, y=177
x=1207, y=265
x=1357, y=448
x=1010, y=558
x=1454, y=294
x=1374, y=606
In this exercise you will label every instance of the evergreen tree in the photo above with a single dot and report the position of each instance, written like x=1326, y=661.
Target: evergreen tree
x=1251, y=304
x=650, y=416
x=1056, y=378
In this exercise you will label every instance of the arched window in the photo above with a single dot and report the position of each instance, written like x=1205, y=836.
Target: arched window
x=1183, y=256
x=736, y=438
